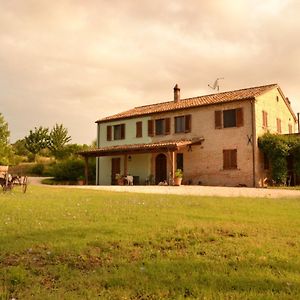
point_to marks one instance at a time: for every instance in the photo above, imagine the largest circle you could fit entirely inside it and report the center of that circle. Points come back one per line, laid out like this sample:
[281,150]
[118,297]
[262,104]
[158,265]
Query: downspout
[253,119]
[298,115]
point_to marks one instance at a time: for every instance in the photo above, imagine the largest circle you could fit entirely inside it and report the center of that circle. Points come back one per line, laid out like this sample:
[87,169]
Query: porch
[122,157]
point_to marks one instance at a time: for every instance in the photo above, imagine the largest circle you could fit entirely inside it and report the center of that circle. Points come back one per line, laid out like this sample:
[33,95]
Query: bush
[71,169]
[37,169]
[278,148]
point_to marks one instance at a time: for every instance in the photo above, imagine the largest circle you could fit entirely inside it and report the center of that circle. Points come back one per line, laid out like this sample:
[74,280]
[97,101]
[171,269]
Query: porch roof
[162,146]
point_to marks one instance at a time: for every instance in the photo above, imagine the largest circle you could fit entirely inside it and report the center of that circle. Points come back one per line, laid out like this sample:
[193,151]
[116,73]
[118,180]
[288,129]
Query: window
[278,125]
[160,127]
[179,124]
[139,129]
[182,124]
[179,161]
[229,159]
[119,132]
[229,118]
[290,128]
[264,119]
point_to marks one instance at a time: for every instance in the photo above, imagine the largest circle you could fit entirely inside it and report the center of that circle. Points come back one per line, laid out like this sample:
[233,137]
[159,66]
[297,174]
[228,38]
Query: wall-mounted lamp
[129,158]
[190,148]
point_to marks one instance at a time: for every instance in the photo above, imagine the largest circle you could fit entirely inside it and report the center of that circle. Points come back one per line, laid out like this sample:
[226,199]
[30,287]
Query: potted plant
[80,180]
[120,179]
[178,177]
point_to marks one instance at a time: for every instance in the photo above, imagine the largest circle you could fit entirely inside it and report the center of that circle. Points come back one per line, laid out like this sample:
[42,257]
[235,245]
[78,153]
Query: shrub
[37,169]
[278,148]
[71,169]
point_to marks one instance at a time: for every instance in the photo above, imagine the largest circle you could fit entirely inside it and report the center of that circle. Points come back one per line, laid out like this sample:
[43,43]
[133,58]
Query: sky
[76,61]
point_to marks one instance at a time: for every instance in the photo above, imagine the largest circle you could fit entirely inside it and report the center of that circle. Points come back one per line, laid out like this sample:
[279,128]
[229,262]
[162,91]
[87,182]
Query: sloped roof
[230,96]
[141,148]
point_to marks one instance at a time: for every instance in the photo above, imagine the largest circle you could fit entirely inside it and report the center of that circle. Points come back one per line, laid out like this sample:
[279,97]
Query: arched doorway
[160,168]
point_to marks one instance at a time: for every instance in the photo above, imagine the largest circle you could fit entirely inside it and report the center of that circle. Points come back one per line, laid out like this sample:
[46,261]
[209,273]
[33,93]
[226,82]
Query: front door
[115,169]
[160,168]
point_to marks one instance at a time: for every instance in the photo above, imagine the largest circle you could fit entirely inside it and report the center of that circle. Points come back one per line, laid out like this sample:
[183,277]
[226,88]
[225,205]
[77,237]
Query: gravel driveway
[187,190]
[200,191]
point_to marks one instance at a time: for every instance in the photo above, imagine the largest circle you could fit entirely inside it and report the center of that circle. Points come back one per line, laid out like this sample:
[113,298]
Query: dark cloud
[73,62]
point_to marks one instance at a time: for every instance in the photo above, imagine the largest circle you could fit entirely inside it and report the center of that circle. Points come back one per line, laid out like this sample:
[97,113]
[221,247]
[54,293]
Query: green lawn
[74,244]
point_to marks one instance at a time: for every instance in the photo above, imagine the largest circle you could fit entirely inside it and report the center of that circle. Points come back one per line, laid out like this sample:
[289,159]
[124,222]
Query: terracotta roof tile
[145,148]
[230,96]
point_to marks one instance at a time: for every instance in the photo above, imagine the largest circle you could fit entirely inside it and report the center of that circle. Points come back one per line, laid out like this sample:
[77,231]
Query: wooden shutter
[139,129]
[167,126]
[218,119]
[229,159]
[239,117]
[188,123]
[226,159]
[233,158]
[150,128]
[278,125]
[265,119]
[290,128]
[108,133]
[122,131]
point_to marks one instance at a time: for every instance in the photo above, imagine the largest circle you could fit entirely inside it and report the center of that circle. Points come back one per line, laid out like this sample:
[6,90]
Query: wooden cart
[8,181]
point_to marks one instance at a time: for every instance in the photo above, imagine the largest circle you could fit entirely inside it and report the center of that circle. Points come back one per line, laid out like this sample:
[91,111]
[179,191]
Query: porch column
[125,165]
[86,169]
[173,166]
[171,162]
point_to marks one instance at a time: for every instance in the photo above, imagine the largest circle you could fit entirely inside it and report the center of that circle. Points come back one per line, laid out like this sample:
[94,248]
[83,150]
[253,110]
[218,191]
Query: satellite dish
[216,86]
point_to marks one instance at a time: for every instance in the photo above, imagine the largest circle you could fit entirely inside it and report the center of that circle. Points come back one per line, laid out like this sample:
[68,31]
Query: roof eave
[101,121]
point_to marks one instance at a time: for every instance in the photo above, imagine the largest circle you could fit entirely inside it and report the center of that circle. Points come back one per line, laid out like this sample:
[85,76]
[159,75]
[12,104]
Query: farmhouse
[212,138]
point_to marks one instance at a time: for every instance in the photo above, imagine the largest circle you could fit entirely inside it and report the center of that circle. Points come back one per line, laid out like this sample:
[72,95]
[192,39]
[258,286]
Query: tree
[19,148]
[37,140]
[58,138]
[5,149]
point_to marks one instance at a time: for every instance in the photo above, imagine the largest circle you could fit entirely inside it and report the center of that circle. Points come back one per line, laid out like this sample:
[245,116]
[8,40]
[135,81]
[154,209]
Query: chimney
[176,93]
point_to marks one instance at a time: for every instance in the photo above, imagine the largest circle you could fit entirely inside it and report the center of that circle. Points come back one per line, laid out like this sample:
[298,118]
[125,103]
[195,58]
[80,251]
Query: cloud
[73,62]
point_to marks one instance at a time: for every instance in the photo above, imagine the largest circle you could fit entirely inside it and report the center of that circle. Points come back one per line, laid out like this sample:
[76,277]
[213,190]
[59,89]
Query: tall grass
[69,244]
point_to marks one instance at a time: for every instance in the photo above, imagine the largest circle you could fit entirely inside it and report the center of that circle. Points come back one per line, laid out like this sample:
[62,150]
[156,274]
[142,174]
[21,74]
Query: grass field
[77,244]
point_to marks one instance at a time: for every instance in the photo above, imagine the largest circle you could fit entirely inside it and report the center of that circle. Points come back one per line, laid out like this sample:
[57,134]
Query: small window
[278,125]
[230,159]
[179,161]
[229,118]
[119,132]
[183,124]
[179,124]
[139,129]
[160,127]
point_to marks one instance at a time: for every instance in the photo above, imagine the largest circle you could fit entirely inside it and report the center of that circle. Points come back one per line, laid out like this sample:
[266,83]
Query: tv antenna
[216,86]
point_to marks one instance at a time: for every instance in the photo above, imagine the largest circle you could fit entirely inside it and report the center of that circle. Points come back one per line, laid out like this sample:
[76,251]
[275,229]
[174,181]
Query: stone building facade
[212,138]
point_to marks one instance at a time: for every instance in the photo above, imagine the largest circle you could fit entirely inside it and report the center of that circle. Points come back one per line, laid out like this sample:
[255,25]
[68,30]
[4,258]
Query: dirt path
[36,180]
